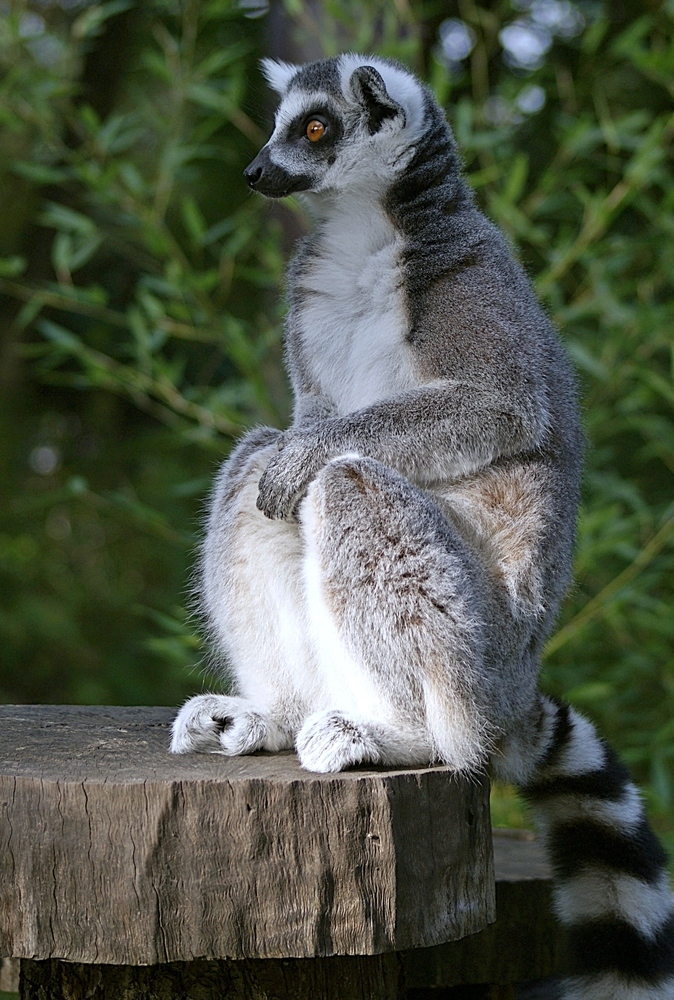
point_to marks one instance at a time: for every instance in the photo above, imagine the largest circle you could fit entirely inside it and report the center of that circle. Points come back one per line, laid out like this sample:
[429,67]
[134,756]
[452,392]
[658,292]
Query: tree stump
[115,853]
[372,977]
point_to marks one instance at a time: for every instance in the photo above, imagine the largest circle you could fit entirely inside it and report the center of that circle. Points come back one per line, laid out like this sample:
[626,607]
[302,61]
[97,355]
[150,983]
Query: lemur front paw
[330,741]
[285,480]
[216,723]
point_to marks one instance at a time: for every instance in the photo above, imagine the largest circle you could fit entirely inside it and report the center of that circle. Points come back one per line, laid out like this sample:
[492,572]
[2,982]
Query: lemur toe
[329,741]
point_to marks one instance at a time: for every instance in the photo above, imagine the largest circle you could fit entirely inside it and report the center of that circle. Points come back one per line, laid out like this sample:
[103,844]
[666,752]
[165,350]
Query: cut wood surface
[114,851]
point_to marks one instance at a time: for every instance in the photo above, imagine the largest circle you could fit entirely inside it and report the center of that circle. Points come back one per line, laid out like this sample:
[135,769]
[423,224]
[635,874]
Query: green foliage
[142,283]
[151,286]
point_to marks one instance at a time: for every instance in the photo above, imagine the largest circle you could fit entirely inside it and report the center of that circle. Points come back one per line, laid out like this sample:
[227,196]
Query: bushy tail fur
[611,885]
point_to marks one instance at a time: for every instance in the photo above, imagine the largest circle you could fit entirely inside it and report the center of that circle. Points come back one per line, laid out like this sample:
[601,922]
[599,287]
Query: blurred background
[141,301]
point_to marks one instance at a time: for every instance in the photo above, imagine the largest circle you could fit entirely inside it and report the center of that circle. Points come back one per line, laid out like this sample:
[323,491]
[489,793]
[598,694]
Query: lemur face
[342,123]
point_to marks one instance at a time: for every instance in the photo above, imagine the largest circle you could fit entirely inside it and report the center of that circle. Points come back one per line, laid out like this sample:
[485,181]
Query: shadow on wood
[375,977]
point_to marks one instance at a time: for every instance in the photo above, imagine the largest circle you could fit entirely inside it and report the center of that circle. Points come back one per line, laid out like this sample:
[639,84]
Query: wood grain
[371,977]
[113,851]
[525,943]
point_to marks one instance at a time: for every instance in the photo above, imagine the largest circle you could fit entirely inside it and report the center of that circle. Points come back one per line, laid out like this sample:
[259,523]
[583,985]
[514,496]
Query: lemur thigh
[254,596]
[397,597]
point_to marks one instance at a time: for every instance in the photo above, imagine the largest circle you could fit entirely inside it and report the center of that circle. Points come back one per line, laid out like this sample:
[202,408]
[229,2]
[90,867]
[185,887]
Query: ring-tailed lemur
[382,576]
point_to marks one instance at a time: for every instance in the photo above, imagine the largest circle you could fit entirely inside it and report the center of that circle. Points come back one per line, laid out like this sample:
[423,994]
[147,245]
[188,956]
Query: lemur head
[345,122]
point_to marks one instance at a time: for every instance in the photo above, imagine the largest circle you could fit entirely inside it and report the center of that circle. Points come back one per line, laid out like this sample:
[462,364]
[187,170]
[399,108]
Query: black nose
[254,172]
[271,180]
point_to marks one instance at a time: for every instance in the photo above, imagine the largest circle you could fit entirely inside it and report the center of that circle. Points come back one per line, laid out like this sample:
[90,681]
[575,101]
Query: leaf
[59,335]
[517,177]
[216,61]
[90,22]
[217,231]
[195,224]
[592,692]
[72,251]
[40,173]
[586,361]
[12,267]
[628,41]
[67,219]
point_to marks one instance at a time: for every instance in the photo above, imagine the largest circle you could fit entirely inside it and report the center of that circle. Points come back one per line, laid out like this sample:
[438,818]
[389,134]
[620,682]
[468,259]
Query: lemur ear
[369,89]
[278,74]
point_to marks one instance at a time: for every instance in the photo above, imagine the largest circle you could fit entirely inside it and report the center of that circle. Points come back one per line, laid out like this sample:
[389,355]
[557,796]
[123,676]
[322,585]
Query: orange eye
[315,130]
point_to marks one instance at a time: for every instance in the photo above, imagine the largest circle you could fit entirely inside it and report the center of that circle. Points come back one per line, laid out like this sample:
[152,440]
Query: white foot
[330,741]
[217,723]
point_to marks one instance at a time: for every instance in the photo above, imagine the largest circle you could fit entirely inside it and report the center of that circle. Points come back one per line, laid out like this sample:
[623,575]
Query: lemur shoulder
[380,578]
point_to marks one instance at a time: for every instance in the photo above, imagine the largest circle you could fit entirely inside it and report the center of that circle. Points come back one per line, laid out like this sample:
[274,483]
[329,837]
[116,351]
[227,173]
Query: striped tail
[611,887]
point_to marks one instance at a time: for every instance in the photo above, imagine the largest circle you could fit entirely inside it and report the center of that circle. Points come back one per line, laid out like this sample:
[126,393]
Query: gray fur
[444,539]
[380,579]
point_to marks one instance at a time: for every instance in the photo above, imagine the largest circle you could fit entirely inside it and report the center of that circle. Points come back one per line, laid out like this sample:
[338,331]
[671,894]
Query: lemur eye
[315,130]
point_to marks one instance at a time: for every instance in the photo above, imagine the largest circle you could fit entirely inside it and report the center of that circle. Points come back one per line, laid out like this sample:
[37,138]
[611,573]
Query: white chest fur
[353,319]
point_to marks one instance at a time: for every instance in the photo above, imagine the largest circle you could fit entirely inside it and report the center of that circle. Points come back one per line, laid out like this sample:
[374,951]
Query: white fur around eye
[297,103]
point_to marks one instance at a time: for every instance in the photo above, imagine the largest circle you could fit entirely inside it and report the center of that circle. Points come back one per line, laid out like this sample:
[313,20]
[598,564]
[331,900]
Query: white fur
[400,85]
[613,987]
[625,814]
[457,739]
[302,673]
[584,752]
[297,103]
[354,330]
[196,727]
[332,741]
[254,583]
[278,73]
[367,162]
[264,580]
[346,686]
[601,893]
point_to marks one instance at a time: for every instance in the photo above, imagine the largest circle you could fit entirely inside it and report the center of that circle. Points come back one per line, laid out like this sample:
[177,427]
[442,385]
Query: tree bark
[348,978]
